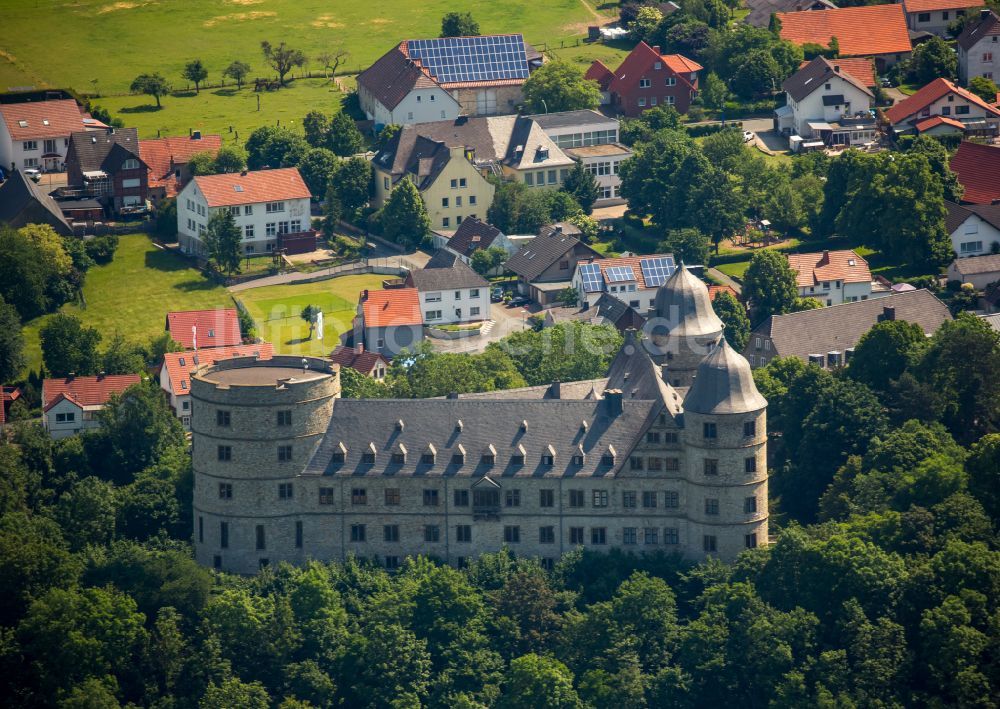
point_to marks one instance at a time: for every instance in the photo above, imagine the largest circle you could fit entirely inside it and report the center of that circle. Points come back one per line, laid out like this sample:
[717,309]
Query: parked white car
[748,136]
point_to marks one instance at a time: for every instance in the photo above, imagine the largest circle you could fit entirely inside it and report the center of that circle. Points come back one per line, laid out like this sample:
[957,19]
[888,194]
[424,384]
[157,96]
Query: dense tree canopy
[559,86]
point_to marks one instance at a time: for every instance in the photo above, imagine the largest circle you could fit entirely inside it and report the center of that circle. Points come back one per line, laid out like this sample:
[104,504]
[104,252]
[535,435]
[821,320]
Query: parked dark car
[496,295]
[519,300]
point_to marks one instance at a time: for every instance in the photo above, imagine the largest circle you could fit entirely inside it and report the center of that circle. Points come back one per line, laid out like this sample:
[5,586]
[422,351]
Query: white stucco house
[591,138]
[449,291]
[834,277]
[35,134]
[271,208]
[943,99]
[934,16]
[979,48]
[826,104]
[980,271]
[70,405]
[974,228]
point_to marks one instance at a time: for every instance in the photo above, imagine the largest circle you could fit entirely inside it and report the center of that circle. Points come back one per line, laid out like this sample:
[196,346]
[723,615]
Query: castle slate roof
[837,327]
[684,300]
[477,427]
[724,385]
[445,271]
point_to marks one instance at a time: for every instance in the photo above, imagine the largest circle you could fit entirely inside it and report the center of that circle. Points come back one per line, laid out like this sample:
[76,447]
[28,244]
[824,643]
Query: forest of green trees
[881,589]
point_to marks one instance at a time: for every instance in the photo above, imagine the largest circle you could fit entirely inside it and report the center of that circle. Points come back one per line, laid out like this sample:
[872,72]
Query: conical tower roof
[684,303]
[724,385]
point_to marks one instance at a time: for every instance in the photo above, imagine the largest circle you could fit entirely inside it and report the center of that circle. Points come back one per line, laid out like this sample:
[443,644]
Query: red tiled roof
[641,59]
[363,361]
[85,391]
[931,5]
[163,155]
[216,328]
[714,291]
[829,266]
[390,308]
[978,170]
[64,117]
[600,73]
[932,121]
[179,365]
[860,31]
[912,105]
[861,68]
[10,394]
[257,186]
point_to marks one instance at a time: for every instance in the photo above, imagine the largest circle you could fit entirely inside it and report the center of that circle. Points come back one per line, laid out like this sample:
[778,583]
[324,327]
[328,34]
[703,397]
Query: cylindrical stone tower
[682,327]
[255,424]
[725,432]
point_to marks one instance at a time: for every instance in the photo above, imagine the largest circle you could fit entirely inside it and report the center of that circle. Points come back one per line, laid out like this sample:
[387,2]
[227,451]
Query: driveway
[504,322]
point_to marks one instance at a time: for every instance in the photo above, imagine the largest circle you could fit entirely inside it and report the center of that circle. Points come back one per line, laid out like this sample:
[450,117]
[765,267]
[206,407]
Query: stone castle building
[667,456]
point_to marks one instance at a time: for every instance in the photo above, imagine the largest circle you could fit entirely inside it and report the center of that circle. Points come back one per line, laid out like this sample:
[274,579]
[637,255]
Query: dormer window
[399,455]
[549,456]
[458,457]
[489,455]
[368,458]
[518,457]
[340,453]
[429,455]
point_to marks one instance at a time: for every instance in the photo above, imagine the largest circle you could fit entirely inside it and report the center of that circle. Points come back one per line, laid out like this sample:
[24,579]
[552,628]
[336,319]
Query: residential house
[825,102]
[974,228]
[370,364]
[70,405]
[646,79]
[934,16]
[827,336]
[167,159]
[8,395]
[761,10]
[36,133]
[607,310]
[202,329]
[427,80]
[106,165]
[979,48]
[177,367]
[591,138]
[388,321]
[23,202]
[632,279]
[271,208]
[977,167]
[877,31]
[942,98]
[450,161]
[834,277]
[980,271]
[475,235]
[450,291]
[545,266]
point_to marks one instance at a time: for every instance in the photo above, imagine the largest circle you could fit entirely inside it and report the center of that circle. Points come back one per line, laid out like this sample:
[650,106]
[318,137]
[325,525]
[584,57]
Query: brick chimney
[359,348]
[888,312]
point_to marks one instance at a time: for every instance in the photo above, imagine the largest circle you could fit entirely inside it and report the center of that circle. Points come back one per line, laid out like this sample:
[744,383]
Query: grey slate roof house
[827,336]
[106,165]
[545,265]
[23,202]
[473,235]
[450,291]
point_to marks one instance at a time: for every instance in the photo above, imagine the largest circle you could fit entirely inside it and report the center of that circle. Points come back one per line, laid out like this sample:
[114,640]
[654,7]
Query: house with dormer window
[941,99]
[35,134]
[647,79]
[106,165]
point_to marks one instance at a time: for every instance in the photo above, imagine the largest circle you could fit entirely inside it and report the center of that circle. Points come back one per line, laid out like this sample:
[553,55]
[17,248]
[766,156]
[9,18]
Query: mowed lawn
[133,293]
[278,311]
[113,41]
[229,112]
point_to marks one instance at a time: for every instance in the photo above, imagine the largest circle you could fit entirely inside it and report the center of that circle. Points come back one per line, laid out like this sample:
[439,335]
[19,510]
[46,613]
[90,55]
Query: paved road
[505,321]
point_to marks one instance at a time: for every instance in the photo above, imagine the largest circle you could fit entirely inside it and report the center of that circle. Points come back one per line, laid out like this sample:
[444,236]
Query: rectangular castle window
[284,418]
[463,533]
[284,454]
[432,533]
[511,534]
[358,533]
[298,535]
[628,499]
[629,535]
[576,535]
[225,453]
[430,498]
[261,539]
[461,498]
[598,535]
[546,498]
[390,533]
[326,496]
[222,418]
[711,506]
[546,535]
[225,491]
[285,491]
[392,496]
[223,535]
[359,496]
[649,498]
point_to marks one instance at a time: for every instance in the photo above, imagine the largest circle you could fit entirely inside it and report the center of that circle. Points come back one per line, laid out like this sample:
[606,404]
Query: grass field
[277,311]
[133,293]
[215,111]
[114,41]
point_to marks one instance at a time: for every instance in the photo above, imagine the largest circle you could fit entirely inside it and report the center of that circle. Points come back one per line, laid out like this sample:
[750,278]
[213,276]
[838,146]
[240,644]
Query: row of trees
[890,599]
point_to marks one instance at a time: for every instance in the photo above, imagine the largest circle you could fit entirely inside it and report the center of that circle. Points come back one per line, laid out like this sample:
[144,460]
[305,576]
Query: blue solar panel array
[617,274]
[593,282]
[455,59]
[655,271]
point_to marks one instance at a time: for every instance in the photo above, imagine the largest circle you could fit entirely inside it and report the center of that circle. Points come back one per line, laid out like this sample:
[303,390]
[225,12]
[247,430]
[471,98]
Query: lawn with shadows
[133,293]
[277,311]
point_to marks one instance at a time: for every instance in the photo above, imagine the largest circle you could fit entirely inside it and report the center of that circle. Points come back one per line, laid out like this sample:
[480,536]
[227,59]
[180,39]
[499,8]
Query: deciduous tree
[230,158]
[734,316]
[319,167]
[582,186]
[12,359]
[151,85]
[344,138]
[459,24]
[282,58]
[237,71]
[559,86]
[404,217]
[224,242]
[68,347]
[486,261]
[195,72]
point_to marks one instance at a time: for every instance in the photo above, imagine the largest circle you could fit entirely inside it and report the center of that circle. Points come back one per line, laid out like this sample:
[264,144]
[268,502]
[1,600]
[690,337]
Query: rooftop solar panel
[655,271]
[617,274]
[592,280]
[460,59]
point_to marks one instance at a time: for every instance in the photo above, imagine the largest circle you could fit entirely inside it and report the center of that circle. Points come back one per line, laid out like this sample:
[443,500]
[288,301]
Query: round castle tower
[725,436]
[682,326]
[255,425]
